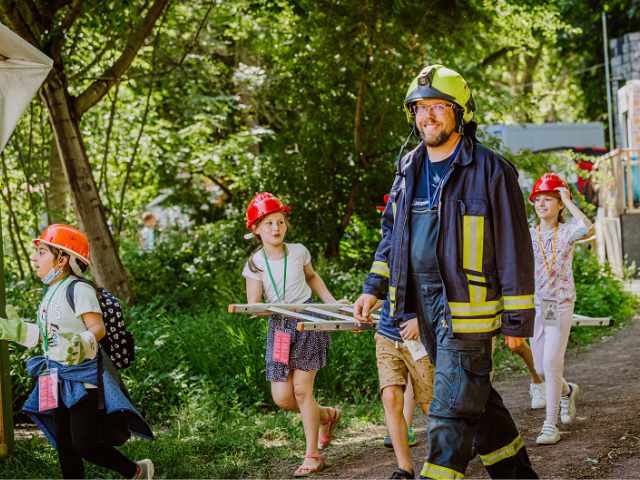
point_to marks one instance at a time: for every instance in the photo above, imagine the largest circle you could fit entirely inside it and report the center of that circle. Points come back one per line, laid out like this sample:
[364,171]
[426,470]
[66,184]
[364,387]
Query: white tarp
[23,68]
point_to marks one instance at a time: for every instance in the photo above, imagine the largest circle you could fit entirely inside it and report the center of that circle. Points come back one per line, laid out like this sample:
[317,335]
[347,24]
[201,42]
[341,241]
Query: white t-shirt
[55,311]
[297,290]
[148,237]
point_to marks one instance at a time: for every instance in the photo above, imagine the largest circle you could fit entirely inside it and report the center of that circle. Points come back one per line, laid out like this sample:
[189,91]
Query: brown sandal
[324,439]
[304,470]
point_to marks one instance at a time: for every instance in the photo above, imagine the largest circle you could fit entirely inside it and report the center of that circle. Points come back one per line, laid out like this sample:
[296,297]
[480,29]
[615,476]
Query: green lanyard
[43,322]
[273,282]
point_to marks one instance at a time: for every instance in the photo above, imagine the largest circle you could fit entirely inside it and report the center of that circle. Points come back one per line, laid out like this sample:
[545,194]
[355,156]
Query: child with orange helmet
[553,243]
[74,394]
[282,272]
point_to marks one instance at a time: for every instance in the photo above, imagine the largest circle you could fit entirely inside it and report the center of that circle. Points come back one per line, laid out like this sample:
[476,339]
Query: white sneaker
[537,392]
[549,434]
[145,469]
[568,404]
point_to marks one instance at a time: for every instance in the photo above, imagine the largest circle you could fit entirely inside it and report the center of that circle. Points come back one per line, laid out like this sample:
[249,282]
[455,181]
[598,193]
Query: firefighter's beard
[436,139]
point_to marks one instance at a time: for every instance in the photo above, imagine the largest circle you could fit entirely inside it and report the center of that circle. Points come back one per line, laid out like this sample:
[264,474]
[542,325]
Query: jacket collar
[465,156]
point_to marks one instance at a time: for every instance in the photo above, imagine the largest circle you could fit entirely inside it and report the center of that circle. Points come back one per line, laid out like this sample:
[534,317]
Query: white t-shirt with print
[56,313]
[558,283]
[297,290]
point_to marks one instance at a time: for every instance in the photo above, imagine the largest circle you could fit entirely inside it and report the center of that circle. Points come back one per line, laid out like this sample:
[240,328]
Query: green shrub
[190,269]
[599,294]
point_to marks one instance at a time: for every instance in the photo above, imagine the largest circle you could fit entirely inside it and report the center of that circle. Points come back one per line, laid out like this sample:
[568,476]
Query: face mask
[51,276]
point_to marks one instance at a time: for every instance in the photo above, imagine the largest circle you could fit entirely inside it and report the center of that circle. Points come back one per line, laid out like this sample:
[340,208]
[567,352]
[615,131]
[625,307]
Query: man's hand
[513,343]
[410,330]
[363,307]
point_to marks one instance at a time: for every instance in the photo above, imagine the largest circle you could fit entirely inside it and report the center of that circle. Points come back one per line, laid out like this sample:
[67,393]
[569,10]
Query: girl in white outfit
[553,242]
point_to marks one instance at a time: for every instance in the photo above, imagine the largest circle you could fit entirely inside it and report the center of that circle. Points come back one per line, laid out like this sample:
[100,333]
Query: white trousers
[549,344]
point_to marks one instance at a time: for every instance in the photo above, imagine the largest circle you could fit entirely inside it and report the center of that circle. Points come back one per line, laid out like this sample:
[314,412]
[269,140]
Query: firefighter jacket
[484,247]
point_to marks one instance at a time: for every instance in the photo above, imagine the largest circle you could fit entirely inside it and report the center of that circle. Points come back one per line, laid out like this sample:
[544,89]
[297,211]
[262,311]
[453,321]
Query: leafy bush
[599,292]
[189,269]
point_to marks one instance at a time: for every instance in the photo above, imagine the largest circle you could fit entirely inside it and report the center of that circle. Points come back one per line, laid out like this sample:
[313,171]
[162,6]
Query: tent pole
[6,401]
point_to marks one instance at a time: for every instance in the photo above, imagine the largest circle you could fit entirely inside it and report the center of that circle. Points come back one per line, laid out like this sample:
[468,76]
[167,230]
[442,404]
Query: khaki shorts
[395,362]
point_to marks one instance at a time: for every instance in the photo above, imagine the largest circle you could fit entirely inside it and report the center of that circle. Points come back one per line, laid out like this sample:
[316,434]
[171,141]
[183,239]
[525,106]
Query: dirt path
[603,443]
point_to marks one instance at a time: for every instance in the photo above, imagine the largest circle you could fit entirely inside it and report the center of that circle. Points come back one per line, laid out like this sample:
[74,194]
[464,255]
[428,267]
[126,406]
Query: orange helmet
[549,182]
[68,239]
[261,205]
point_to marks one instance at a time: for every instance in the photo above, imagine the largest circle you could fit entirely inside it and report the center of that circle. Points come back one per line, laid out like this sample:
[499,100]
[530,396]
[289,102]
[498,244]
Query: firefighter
[456,249]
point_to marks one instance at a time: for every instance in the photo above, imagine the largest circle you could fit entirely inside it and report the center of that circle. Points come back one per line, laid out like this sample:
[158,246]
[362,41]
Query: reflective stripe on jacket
[484,248]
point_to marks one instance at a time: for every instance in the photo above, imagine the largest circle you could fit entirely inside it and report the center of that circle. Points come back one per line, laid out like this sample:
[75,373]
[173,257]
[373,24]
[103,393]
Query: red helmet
[381,208]
[261,205]
[66,238]
[549,182]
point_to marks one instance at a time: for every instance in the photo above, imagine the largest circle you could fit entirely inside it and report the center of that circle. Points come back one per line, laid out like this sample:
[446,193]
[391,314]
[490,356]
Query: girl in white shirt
[280,272]
[66,402]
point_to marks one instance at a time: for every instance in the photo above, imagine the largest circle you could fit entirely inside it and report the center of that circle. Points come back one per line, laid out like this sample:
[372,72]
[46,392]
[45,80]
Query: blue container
[635,179]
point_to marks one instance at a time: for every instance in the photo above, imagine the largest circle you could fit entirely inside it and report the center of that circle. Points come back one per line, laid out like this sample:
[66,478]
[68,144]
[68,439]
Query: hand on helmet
[565,194]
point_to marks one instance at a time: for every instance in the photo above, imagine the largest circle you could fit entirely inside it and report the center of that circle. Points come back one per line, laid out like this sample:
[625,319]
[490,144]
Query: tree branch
[18,24]
[32,17]
[495,56]
[72,15]
[98,89]
[79,74]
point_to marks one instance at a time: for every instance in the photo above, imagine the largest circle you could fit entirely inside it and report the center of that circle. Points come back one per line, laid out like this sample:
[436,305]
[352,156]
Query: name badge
[549,312]
[281,347]
[416,349]
[48,390]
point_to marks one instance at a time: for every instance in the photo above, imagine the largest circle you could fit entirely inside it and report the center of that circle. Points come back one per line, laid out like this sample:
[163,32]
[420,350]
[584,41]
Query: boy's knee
[393,398]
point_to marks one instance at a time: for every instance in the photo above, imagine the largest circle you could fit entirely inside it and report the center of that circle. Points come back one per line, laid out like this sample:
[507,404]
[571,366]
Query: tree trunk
[107,268]
[58,193]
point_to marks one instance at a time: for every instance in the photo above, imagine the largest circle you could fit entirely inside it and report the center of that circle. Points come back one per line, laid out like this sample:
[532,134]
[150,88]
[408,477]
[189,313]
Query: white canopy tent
[23,68]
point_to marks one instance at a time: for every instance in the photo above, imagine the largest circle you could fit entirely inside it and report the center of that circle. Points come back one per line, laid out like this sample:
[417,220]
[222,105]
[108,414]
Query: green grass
[200,443]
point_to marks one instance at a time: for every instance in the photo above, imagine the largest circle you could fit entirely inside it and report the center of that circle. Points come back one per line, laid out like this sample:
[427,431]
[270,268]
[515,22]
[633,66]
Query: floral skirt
[308,351]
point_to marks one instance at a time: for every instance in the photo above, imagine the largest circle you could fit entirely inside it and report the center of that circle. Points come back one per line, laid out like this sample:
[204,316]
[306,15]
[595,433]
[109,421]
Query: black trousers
[466,412]
[82,435]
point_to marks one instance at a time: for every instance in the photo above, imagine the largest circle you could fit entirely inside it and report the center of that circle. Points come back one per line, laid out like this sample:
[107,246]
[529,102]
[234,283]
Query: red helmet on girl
[261,205]
[547,183]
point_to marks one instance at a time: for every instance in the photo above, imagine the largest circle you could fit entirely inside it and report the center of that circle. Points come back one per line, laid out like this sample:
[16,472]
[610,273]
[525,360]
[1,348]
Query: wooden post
[6,401]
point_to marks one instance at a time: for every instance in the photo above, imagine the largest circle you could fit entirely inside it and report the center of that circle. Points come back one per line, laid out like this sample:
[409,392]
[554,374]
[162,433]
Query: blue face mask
[51,276]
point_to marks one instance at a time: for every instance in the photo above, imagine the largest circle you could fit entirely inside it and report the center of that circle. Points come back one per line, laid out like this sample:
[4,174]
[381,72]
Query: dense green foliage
[301,98]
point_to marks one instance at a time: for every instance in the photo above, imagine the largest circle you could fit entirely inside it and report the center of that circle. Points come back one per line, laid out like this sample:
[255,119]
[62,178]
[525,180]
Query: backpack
[118,341]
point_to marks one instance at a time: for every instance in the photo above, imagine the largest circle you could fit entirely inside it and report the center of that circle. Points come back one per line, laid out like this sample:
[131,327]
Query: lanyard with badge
[48,378]
[281,339]
[431,198]
[549,306]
